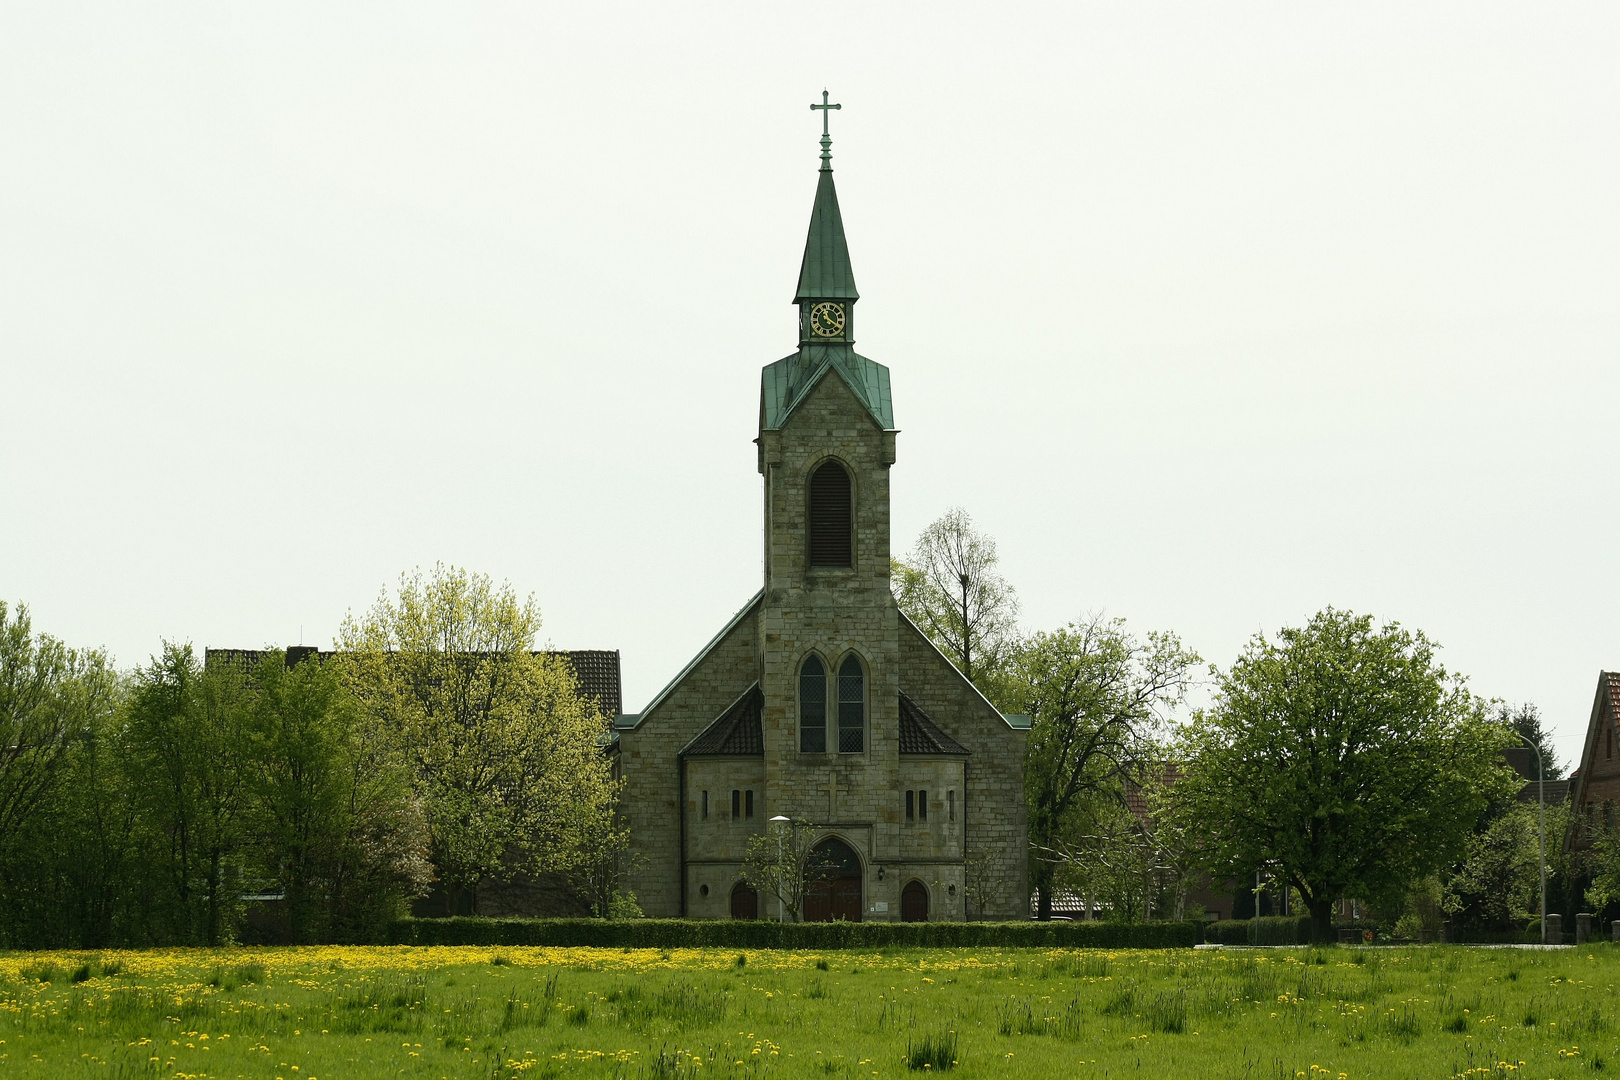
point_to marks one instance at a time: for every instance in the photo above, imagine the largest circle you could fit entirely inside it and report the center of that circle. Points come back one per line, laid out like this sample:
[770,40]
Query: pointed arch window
[831,517]
[851,707]
[812,707]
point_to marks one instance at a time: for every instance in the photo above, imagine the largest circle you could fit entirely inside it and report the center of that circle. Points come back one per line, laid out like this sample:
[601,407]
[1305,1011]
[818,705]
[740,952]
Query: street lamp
[1541,785]
[781,905]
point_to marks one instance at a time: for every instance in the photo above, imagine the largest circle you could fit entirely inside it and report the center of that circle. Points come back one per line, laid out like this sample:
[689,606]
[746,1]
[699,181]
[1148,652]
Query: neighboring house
[1595,784]
[819,700]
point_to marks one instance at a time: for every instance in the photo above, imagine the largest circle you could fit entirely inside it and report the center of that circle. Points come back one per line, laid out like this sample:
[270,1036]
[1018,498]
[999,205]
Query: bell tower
[828,626]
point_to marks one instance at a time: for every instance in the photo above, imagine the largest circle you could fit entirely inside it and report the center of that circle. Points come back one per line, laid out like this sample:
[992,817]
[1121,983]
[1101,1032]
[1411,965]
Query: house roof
[920,735]
[824,273]
[597,670]
[788,381]
[737,732]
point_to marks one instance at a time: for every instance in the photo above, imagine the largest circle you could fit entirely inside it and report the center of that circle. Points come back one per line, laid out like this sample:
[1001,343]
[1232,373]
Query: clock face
[827,320]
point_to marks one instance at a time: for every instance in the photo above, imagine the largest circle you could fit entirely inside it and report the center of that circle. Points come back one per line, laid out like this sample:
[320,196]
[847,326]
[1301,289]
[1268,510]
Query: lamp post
[781,905]
[1541,786]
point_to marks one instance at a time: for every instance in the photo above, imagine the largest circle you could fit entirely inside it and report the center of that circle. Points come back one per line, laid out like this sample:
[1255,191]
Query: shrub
[760,934]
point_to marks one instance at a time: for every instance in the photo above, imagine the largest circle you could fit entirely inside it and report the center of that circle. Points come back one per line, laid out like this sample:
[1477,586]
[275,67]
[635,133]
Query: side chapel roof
[738,731]
[920,735]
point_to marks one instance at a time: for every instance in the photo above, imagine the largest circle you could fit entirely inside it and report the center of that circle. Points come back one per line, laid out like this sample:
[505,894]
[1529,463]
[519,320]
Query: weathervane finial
[826,137]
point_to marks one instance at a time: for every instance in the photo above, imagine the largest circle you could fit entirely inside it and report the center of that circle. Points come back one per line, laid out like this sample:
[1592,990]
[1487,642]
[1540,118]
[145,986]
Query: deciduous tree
[335,823]
[1346,758]
[784,863]
[50,696]
[188,736]
[951,588]
[1096,696]
[505,751]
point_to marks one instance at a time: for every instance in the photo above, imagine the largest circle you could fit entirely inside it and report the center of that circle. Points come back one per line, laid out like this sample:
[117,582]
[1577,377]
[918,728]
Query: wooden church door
[914,902]
[837,896]
[744,902]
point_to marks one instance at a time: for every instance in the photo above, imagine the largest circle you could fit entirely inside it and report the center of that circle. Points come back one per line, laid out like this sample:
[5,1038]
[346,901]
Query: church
[819,700]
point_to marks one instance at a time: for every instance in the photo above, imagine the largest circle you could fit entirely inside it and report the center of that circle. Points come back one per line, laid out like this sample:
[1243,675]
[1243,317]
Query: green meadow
[328,1013]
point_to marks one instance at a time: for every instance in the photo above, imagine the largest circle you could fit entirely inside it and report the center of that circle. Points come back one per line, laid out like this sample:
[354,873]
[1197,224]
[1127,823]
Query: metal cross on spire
[826,137]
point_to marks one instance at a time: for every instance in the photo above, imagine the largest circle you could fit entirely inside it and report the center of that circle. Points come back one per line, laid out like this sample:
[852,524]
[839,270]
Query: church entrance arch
[836,897]
[914,902]
[744,902]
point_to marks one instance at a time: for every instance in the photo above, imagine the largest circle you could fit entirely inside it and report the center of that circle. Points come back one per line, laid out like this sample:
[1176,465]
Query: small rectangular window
[950,804]
[749,810]
[736,804]
[911,805]
[705,806]
[922,806]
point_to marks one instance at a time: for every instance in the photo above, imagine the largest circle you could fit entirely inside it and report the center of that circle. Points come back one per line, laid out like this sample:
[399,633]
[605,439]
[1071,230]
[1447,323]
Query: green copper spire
[825,273]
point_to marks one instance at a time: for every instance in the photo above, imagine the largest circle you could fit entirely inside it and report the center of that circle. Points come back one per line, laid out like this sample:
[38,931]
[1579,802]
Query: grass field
[335,1013]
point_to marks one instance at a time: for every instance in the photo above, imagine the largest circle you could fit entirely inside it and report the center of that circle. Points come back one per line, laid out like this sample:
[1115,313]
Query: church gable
[786,383]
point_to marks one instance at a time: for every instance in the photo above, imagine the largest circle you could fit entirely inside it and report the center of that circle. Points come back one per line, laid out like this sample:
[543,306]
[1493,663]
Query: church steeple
[826,294]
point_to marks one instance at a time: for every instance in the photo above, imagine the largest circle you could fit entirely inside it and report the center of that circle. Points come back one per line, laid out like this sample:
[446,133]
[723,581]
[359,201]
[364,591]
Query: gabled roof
[739,731]
[788,381]
[920,735]
[825,273]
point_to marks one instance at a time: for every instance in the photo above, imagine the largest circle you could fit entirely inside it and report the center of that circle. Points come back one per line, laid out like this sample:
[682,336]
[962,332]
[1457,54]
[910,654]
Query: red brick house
[1595,785]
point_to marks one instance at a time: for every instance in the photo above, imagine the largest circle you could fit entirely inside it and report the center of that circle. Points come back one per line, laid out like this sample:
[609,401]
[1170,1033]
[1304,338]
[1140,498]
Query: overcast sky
[1211,314]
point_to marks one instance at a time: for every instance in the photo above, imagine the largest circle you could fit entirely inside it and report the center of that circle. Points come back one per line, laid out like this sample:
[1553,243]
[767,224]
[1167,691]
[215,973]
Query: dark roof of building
[596,669]
[739,731]
[598,673]
[920,735]
[1557,792]
[825,273]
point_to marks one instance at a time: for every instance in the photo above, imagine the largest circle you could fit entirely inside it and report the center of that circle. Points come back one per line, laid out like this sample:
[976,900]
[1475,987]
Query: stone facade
[823,403]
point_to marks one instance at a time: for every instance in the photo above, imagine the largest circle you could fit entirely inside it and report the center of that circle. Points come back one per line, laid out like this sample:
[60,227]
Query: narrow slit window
[950,805]
[831,517]
[736,804]
[812,707]
[851,707]
[922,806]
[748,804]
[911,805]
[705,806]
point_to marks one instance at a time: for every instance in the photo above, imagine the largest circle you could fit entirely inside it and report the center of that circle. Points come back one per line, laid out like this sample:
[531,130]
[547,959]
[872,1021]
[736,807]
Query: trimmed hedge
[762,934]
[1269,930]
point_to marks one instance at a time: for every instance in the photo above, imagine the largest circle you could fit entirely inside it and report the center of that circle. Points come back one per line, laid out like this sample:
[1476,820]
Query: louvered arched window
[831,512]
[812,707]
[851,707]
